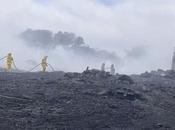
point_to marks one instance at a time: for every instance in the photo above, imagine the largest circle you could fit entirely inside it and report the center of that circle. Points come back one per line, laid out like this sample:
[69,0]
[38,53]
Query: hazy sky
[141,32]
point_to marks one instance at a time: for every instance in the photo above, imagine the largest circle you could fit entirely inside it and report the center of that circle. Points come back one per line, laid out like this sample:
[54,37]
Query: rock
[125,79]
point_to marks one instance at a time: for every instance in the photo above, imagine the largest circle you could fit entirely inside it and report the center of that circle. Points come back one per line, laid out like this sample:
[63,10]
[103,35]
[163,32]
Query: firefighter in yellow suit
[9,61]
[44,64]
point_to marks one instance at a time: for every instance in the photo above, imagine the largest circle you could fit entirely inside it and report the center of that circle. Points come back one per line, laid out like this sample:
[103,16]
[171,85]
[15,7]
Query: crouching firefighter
[44,64]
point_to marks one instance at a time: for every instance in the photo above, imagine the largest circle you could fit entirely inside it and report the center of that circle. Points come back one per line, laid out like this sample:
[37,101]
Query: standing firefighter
[103,67]
[44,64]
[112,70]
[173,61]
[9,61]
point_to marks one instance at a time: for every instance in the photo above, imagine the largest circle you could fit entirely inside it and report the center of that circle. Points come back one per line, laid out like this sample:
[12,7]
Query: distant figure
[112,70]
[9,61]
[44,64]
[173,61]
[87,69]
[103,67]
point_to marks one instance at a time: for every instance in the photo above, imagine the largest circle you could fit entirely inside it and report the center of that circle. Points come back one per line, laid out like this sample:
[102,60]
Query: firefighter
[44,64]
[173,61]
[87,68]
[112,70]
[9,61]
[103,67]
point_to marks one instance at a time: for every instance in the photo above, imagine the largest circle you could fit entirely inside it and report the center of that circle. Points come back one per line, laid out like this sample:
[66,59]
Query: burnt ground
[91,100]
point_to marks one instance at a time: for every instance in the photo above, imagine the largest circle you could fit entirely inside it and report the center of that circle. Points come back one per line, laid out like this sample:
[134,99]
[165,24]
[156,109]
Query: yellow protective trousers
[9,63]
[44,64]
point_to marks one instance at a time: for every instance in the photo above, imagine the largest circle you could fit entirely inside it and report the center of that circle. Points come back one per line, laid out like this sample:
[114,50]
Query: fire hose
[39,65]
[34,67]
[3,58]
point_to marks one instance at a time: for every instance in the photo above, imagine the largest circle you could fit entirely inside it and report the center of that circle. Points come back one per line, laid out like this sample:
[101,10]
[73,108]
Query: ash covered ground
[92,100]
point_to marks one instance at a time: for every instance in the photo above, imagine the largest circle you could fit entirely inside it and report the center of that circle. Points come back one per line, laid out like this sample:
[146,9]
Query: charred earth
[92,100]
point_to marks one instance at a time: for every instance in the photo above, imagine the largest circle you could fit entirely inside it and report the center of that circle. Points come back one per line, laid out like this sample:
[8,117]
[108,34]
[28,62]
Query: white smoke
[115,28]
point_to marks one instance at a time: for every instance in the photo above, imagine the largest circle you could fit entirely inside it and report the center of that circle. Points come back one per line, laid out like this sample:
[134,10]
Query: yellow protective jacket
[9,60]
[44,62]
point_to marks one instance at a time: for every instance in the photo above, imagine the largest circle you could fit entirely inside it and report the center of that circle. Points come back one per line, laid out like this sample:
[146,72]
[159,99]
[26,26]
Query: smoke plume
[47,40]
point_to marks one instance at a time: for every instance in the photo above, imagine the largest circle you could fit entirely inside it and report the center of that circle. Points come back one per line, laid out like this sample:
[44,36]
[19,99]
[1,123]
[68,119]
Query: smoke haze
[135,35]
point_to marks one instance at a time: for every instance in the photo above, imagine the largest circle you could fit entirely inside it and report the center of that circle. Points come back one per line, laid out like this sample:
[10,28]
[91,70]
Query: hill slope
[91,100]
